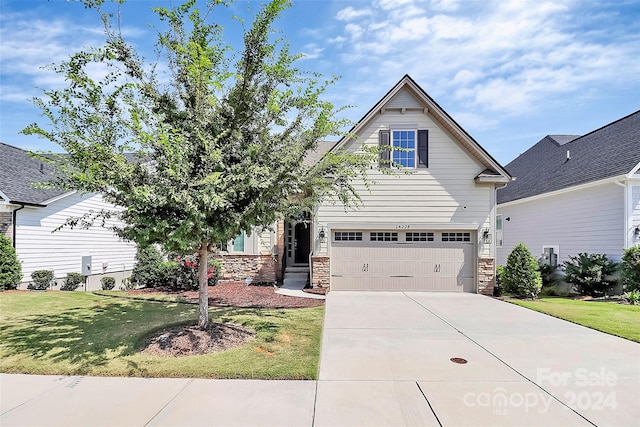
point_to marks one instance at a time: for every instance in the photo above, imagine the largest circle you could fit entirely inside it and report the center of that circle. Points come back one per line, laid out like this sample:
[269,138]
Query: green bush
[590,274]
[631,268]
[498,288]
[632,297]
[149,270]
[41,279]
[108,283]
[521,276]
[548,273]
[72,281]
[182,274]
[10,268]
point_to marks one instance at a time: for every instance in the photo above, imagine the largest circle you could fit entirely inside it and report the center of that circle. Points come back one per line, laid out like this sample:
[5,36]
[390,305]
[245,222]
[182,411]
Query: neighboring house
[430,229]
[29,215]
[574,194]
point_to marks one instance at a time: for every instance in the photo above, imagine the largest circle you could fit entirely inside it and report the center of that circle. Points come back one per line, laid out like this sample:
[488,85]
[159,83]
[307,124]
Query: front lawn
[612,318]
[77,333]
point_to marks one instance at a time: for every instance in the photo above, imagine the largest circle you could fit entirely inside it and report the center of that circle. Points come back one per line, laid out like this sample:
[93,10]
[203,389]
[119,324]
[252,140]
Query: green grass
[77,333]
[612,318]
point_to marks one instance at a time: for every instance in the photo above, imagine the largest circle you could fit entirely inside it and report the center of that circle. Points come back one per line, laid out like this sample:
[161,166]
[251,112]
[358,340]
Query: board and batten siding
[439,196]
[588,220]
[62,251]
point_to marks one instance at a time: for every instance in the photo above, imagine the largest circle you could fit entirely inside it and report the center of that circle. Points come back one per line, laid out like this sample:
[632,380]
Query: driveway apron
[389,358]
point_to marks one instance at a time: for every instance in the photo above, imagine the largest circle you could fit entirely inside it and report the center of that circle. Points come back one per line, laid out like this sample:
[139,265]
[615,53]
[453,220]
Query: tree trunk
[203,308]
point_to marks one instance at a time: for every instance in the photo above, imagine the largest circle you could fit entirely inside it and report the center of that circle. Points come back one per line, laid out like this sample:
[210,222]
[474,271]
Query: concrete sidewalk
[37,400]
[386,361]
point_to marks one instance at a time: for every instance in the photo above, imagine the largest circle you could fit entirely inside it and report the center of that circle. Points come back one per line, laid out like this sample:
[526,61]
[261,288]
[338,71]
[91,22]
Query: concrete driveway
[386,360]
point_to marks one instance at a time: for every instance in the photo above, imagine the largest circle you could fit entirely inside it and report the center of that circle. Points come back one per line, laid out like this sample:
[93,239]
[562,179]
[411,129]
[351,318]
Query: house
[29,215]
[574,194]
[427,229]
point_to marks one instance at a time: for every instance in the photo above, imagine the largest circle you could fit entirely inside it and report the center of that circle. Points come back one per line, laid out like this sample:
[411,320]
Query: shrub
[182,275]
[548,273]
[148,271]
[499,286]
[41,279]
[632,297]
[521,276]
[108,283]
[72,281]
[10,268]
[631,268]
[590,273]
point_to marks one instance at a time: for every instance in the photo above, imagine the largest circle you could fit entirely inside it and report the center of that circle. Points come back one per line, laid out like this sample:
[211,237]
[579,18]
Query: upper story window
[406,148]
[405,141]
[499,230]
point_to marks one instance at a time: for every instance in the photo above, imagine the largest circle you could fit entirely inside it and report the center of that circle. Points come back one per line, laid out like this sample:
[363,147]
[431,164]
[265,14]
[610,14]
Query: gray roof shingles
[18,171]
[610,151]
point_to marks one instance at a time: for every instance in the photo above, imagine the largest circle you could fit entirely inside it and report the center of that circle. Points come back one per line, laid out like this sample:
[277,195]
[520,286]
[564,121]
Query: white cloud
[350,14]
[354,31]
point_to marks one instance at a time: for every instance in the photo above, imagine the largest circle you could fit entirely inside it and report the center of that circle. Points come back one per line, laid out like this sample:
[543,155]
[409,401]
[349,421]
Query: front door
[302,240]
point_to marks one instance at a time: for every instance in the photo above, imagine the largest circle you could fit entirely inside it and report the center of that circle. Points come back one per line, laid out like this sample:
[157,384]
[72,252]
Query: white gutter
[627,220]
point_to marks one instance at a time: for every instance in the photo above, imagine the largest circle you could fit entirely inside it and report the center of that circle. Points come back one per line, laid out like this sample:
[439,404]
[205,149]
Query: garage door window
[383,237]
[456,237]
[345,236]
[419,237]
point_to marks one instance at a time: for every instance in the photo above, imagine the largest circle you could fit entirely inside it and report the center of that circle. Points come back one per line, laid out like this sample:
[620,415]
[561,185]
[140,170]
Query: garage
[395,260]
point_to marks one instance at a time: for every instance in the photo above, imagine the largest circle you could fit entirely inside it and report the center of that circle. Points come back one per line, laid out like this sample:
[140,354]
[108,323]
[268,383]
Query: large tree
[219,139]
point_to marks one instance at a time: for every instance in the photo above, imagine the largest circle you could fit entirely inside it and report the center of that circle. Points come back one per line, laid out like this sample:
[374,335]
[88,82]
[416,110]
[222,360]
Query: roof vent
[568,155]
[41,168]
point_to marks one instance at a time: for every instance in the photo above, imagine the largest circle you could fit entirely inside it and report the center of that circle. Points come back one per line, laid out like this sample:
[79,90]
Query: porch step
[295,280]
[297,269]
[295,277]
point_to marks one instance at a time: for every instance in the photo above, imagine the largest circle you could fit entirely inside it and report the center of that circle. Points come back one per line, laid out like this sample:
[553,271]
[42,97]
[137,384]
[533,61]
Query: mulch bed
[189,340]
[238,294]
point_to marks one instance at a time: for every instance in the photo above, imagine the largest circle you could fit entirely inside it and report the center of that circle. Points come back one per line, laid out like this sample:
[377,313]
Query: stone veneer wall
[320,271]
[261,268]
[486,275]
[6,228]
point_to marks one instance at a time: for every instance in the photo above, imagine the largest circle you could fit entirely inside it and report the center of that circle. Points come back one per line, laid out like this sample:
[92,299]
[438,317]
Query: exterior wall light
[486,237]
[322,234]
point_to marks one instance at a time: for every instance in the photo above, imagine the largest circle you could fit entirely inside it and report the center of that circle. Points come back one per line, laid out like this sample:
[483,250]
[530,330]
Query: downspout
[13,224]
[623,184]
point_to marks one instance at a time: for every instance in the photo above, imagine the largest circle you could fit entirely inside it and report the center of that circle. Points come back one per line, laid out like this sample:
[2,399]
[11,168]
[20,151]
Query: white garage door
[403,260]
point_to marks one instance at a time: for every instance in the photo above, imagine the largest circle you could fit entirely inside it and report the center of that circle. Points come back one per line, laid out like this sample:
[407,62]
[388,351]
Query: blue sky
[509,72]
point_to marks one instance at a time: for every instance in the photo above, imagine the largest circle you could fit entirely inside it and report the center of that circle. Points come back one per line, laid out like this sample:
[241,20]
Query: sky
[509,72]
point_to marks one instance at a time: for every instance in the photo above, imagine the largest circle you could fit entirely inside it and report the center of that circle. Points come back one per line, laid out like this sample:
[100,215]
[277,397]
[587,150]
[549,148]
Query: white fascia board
[4,197]
[634,171]
[61,196]
[563,191]
[403,225]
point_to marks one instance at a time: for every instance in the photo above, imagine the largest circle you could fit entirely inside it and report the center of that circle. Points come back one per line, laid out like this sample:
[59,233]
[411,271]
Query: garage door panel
[420,266]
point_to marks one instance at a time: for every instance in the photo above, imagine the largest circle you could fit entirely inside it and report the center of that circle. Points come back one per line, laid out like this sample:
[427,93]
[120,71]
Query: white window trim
[556,252]
[415,146]
[500,242]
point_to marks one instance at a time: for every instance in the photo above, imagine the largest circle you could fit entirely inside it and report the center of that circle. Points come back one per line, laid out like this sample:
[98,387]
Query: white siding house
[575,194]
[29,215]
[427,229]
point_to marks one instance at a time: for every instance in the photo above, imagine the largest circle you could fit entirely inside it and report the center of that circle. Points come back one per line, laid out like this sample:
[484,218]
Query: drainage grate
[458,360]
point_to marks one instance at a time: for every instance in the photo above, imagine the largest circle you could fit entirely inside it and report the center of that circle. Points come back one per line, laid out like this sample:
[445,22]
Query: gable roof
[314,156]
[498,172]
[612,150]
[18,170]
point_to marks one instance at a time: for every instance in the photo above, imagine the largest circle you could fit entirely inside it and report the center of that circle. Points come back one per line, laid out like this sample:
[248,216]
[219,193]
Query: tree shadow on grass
[84,337]
[87,337]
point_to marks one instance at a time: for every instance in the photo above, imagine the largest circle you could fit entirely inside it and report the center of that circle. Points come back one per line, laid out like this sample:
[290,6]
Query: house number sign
[365,267]
[403,226]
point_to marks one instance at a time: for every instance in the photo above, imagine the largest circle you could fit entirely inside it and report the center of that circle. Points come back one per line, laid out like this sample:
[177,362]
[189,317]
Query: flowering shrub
[182,274]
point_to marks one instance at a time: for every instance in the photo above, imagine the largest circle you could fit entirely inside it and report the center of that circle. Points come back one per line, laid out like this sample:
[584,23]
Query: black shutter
[384,140]
[423,148]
